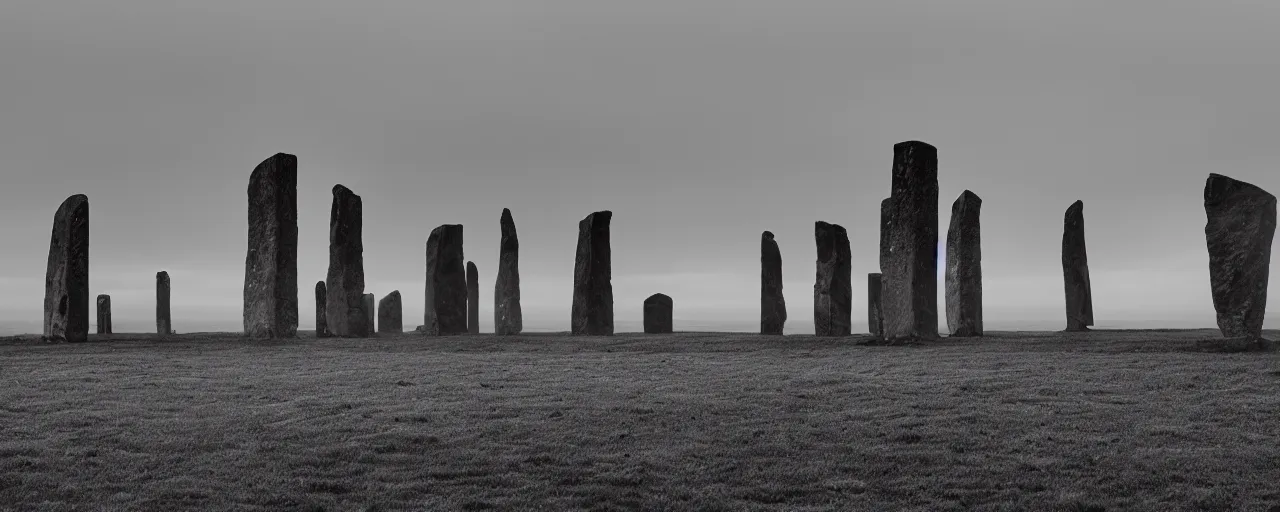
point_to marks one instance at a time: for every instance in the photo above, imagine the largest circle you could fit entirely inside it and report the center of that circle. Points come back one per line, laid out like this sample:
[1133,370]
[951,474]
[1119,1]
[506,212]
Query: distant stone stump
[473,298]
[773,306]
[390,318]
[322,327]
[909,270]
[367,305]
[1075,270]
[66,280]
[446,288]
[657,314]
[875,322]
[104,314]
[164,322]
[592,312]
[964,267]
[507,315]
[833,287]
[1239,233]
[344,283]
[271,262]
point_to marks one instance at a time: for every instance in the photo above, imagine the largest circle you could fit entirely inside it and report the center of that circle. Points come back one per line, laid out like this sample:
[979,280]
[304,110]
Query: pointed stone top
[767,235]
[1218,187]
[394,293]
[506,215]
[1076,208]
[969,196]
[340,190]
[658,297]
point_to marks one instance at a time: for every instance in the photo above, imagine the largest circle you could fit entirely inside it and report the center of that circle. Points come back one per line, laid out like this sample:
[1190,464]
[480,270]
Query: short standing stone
[164,322]
[592,312]
[909,299]
[66,279]
[773,306]
[1075,270]
[1239,233]
[473,298]
[322,327]
[657,314]
[446,289]
[367,304]
[390,317]
[344,283]
[507,315]
[271,263]
[875,322]
[104,314]
[964,267]
[833,287]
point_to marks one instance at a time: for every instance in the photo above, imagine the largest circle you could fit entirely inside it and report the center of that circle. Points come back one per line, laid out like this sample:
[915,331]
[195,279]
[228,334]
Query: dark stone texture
[508,318]
[1240,229]
[391,313]
[657,314]
[164,321]
[344,284]
[592,312]
[875,322]
[833,287]
[271,262]
[367,305]
[473,298]
[446,290]
[773,306]
[909,272]
[964,267]
[104,314]
[66,279]
[1075,270]
[322,327]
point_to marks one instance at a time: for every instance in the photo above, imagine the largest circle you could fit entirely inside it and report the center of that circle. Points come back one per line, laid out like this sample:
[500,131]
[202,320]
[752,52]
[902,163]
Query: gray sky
[698,123]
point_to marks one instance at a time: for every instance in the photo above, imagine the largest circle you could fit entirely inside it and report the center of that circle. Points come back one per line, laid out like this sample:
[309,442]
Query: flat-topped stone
[164,320]
[322,327]
[367,304]
[446,287]
[592,312]
[104,314]
[1239,233]
[909,274]
[270,307]
[833,287]
[344,284]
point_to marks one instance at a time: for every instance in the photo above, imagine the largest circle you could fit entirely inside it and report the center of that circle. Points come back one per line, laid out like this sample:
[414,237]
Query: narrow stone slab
[909,300]
[592,312]
[1240,230]
[164,322]
[271,263]
[390,313]
[367,305]
[657,314]
[833,287]
[773,306]
[322,326]
[446,289]
[964,267]
[104,314]
[875,322]
[344,283]
[66,279]
[1075,270]
[473,298]
[507,315]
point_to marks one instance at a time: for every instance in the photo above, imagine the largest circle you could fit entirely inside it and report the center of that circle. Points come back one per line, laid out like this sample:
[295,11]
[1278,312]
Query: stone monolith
[271,263]
[909,299]
[104,314]
[367,305]
[322,326]
[508,318]
[592,312]
[875,322]
[164,321]
[344,283]
[473,298]
[446,289]
[964,267]
[390,313]
[833,287]
[1240,229]
[66,279]
[773,306]
[1075,270]
[657,314]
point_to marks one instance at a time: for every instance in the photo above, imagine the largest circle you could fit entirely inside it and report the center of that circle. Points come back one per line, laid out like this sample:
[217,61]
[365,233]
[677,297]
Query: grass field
[1132,420]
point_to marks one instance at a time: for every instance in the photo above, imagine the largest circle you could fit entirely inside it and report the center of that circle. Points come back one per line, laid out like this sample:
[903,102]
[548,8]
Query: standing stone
[964,267]
[1075,270]
[875,322]
[833,287]
[657,314]
[446,291]
[886,230]
[909,299]
[104,314]
[366,304]
[390,317]
[592,312]
[271,263]
[66,279]
[344,284]
[322,327]
[507,316]
[164,322]
[473,298]
[1239,233]
[773,307]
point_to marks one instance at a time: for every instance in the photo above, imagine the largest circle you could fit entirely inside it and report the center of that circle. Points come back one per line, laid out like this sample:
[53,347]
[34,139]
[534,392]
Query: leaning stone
[322,327]
[344,283]
[271,263]
[367,304]
[473,298]
[773,306]
[964,267]
[657,314]
[875,322]
[1075,270]
[390,313]
[909,278]
[592,312]
[446,289]
[104,314]
[507,315]
[164,322]
[66,280]
[833,287]
[1239,233]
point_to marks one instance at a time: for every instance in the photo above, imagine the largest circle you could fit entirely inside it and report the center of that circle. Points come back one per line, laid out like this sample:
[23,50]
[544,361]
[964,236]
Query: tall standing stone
[909,297]
[473,298]
[344,283]
[592,312]
[876,297]
[507,315]
[66,279]
[390,313]
[104,314]
[367,305]
[833,287]
[875,322]
[1075,270]
[1239,233]
[773,306]
[964,267]
[164,322]
[657,314]
[271,263]
[446,290]
[322,326]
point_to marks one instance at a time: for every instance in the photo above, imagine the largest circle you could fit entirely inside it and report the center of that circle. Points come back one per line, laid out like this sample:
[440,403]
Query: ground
[1107,420]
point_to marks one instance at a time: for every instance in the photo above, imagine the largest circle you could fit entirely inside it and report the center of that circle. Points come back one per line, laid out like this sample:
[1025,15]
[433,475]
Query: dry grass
[1131,420]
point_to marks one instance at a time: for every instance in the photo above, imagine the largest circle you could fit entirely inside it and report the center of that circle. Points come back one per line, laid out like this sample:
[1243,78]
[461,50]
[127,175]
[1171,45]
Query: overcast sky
[699,123]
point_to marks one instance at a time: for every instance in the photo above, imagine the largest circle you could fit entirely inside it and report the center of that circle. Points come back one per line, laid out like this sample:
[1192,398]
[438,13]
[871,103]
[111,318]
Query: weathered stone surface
[1240,229]
[909,274]
[367,305]
[833,286]
[657,314]
[390,313]
[344,283]
[507,315]
[1075,270]
[964,267]
[164,321]
[271,263]
[773,306]
[322,326]
[66,280]
[446,290]
[875,322]
[592,312]
[473,298]
[104,314]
